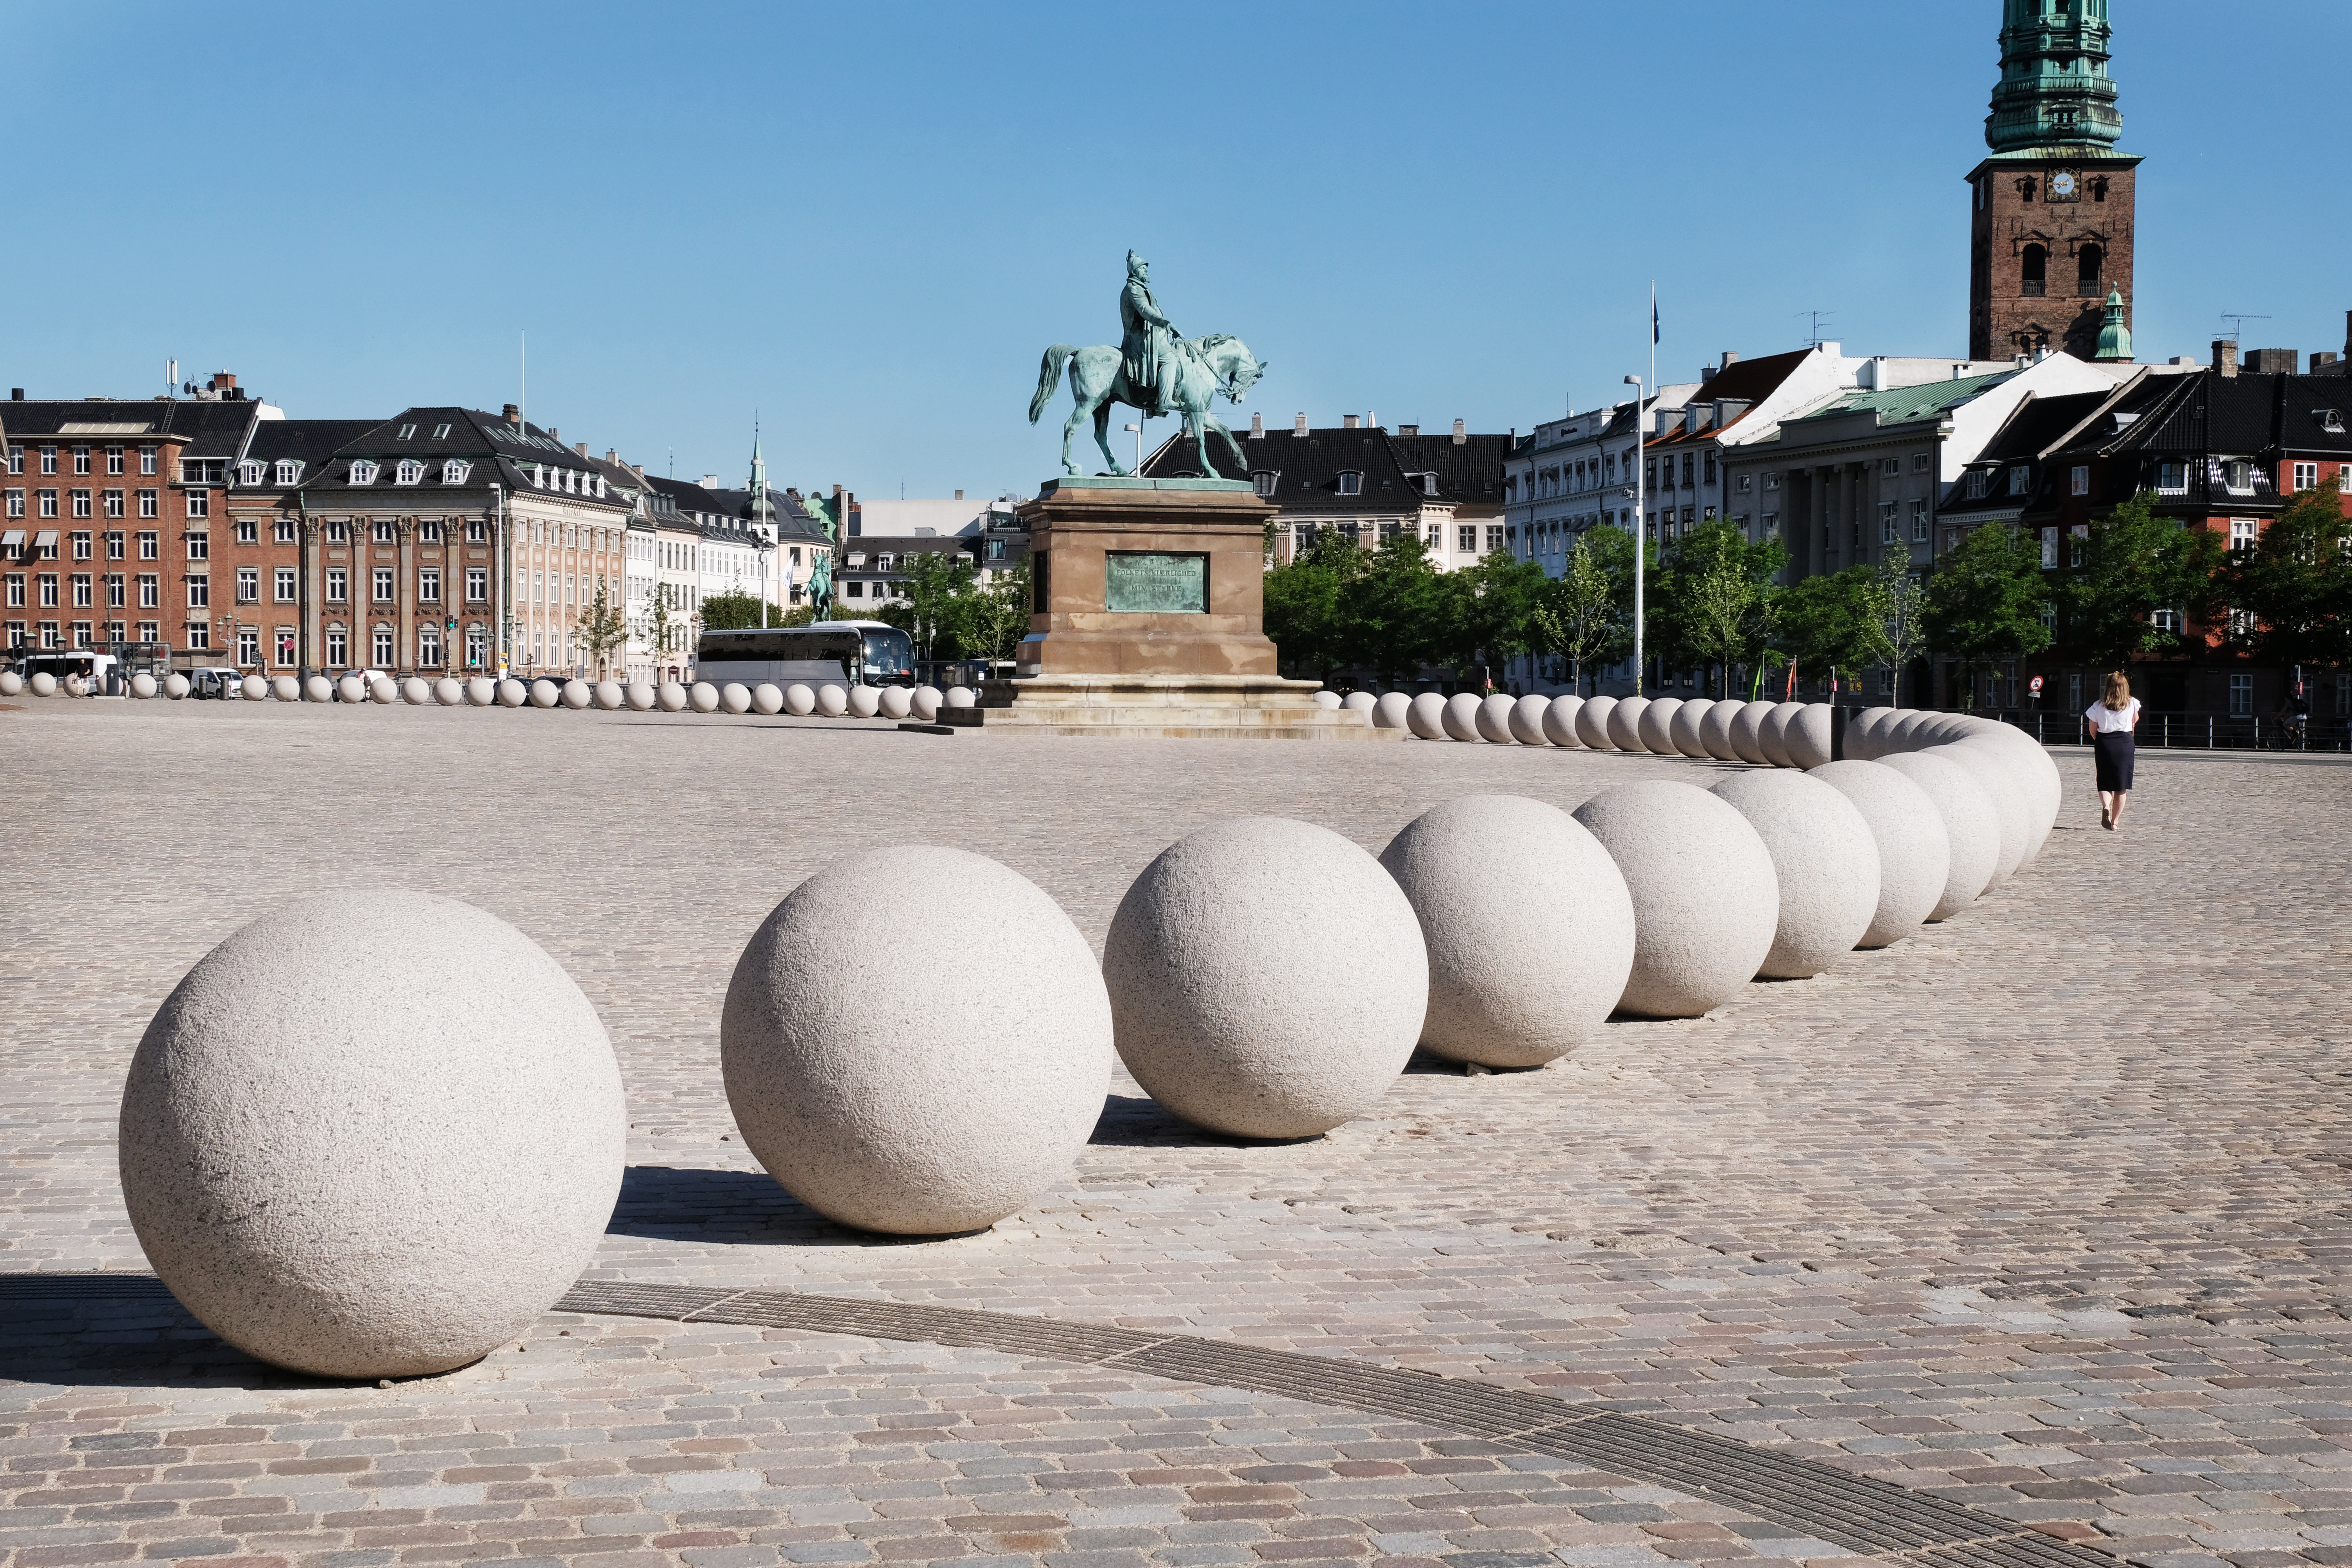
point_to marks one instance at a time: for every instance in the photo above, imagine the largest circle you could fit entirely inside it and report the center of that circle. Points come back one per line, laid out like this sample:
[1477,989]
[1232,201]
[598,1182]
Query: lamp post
[767,548]
[1641,536]
[1138,428]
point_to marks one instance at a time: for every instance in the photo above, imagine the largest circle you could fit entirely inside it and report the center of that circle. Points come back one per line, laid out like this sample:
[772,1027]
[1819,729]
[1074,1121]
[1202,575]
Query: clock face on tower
[2064,186]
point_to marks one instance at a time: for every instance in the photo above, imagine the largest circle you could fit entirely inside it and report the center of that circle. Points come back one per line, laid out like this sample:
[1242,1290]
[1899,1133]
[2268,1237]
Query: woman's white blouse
[2107,721]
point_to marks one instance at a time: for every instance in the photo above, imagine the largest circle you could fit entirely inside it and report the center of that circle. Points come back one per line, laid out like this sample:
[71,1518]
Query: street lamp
[1640,440]
[1138,428]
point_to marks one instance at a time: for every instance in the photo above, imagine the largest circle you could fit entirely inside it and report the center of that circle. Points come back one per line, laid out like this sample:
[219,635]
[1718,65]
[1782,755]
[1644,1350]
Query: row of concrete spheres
[362,1170]
[831,701]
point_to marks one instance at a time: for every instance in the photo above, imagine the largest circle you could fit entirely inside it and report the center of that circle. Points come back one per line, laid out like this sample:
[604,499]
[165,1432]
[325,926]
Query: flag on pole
[1653,318]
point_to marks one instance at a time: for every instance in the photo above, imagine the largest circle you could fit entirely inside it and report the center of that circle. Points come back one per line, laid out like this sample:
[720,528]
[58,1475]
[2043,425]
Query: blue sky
[867,221]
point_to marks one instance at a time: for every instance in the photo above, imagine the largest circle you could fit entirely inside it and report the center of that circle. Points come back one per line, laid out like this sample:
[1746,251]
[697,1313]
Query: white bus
[844,653]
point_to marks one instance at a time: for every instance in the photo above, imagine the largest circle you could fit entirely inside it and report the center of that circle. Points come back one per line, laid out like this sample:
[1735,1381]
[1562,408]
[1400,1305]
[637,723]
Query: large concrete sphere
[735,697]
[513,693]
[1901,733]
[1683,730]
[610,698]
[1625,723]
[11,683]
[1707,900]
[416,691]
[253,689]
[315,689]
[576,694]
[285,689]
[359,1168]
[640,695]
[898,703]
[1915,852]
[1493,719]
[925,703]
[1592,723]
[865,702]
[1327,698]
[545,694]
[175,686]
[832,701]
[1359,701]
[1807,735]
[74,686]
[350,689]
[670,698]
[1425,717]
[1998,777]
[1524,965]
[481,691]
[1863,732]
[1826,861]
[1714,729]
[2034,774]
[1267,979]
[1559,722]
[965,697]
[919,1098]
[702,697]
[1388,713]
[1745,731]
[1772,733]
[144,684]
[1971,825]
[1655,726]
[1460,715]
[767,698]
[799,700]
[448,692]
[1526,720]
[384,690]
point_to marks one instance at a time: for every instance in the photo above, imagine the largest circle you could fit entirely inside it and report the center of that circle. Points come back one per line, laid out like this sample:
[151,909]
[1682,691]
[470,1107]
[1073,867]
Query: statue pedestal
[1147,612]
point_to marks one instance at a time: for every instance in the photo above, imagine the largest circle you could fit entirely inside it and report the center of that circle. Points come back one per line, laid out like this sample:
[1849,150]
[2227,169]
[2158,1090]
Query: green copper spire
[2115,338]
[2054,90]
[763,511]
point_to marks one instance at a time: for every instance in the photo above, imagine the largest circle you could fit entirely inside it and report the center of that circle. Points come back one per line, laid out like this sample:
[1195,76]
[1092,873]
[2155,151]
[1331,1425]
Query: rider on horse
[1149,345]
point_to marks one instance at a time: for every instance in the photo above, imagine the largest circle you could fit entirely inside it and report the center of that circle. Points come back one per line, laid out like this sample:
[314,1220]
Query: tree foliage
[1985,603]
[2294,588]
[2134,565]
[1716,602]
[1834,623]
[601,628]
[735,611]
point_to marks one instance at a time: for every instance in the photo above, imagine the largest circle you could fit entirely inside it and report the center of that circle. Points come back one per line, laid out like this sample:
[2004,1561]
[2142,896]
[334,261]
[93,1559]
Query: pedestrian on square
[2111,719]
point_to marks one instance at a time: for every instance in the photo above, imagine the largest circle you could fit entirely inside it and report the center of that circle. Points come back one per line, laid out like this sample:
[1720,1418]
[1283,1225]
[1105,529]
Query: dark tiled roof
[1307,468]
[209,429]
[686,495]
[1471,473]
[500,453]
[308,441]
[794,526]
[2037,422]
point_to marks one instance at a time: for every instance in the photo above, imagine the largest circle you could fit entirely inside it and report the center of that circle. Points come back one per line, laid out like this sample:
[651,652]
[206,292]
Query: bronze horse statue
[1218,364]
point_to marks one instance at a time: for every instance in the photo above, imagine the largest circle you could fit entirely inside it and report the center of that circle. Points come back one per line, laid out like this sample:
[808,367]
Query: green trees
[1714,601]
[1835,624]
[601,629]
[2294,589]
[1902,608]
[1392,611]
[734,610]
[950,614]
[1586,614]
[2134,563]
[1985,603]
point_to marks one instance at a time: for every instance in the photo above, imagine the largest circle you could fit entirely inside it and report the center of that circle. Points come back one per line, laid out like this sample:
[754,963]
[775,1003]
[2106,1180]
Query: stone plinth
[1148,618]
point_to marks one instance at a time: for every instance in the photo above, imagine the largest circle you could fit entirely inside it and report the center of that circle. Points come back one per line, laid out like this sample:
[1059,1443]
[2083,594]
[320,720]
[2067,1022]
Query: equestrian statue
[1155,369]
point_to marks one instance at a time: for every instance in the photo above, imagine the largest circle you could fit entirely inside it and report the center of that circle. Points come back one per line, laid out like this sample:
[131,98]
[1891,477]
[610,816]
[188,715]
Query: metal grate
[91,1286]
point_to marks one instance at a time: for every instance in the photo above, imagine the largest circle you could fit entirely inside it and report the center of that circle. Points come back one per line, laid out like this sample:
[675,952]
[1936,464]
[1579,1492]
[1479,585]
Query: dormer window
[362,471]
[455,470]
[1979,483]
[1429,484]
[409,471]
[2330,420]
[406,431]
[290,472]
[440,431]
[1352,483]
[538,477]
[2238,475]
[250,471]
[2021,477]
[1263,481]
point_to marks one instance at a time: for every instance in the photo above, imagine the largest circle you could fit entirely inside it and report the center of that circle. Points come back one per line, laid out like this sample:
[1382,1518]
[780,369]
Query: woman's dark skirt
[2113,749]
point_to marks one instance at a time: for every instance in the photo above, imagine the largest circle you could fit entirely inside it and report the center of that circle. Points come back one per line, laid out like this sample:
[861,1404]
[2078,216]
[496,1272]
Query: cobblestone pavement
[2043,1211]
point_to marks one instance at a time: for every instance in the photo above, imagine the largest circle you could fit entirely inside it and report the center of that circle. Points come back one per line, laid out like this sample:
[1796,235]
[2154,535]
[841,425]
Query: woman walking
[2111,719]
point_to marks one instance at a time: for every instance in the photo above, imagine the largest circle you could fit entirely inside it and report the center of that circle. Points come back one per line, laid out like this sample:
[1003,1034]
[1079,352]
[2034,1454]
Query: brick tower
[2049,219]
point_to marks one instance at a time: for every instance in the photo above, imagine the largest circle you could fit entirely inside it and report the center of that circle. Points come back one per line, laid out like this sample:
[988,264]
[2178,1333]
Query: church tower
[2050,230]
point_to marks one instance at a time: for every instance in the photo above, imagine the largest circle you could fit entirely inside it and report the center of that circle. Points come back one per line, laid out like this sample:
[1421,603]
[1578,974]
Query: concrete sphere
[1915,852]
[2034,773]
[1863,732]
[362,1169]
[1592,723]
[1528,719]
[965,697]
[1825,859]
[639,695]
[175,686]
[1745,732]
[865,702]
[576,694]
[1707,900]
[416,691]
[702,697]
[1526,965]
[925,703]
[74,686]
[1425,717]
[832,701]
[1560,721]
[1359,701]
[799,700]
[350,689]
[1625,723]
[1902,732]
[1267,979]
[384,690]
[1460,715]
[1971,825]
[513,693]
[482,692]
[545,694]
[670,698]
[449,692]
[767,698]
[608,695]
[11,683]
[1655,726]
[1493,718]
[285,689]
[1684,730]
[1714,729]
[1997,776]
[957,1103]
[253,689]
[1389,711]
[1772,733]
[1806,736]
[735,697]
[144,684]
[1327,698]
[898,703]
[315,689]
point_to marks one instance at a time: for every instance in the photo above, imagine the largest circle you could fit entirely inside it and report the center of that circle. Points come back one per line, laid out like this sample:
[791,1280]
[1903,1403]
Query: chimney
[514,415]
[2272,362]
[223,380]
[710,481]
[2321,358]
[1348,421]
[2225,356]
[959,495]
[1730,358]
[1372,421]
[1299,428]
[554,434]
[579,446]
[1460,439]
[1257,426]
[1412,430]
[638,469]
[15,395]
[612,454]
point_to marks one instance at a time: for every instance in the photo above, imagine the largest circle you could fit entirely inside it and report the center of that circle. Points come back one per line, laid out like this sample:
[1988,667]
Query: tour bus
[100,672]
[844,653]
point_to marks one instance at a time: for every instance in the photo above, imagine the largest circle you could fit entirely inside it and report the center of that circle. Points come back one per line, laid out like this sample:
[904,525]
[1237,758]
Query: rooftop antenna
[2238,319]
[171,376]
[523,406]
[1813,339]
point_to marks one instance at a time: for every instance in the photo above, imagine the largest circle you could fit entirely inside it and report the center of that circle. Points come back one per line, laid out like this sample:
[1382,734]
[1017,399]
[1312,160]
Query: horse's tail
[1048,373]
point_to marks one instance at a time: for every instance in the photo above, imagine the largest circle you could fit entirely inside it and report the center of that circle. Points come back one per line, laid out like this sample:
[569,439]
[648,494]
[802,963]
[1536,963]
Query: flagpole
[1642,456]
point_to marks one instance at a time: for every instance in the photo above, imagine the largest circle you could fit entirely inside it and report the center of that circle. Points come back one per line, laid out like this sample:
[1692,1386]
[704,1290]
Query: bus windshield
[889,654]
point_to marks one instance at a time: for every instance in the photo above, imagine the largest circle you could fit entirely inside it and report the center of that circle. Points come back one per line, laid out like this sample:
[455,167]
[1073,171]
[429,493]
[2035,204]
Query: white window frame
[1351,482]
[290,472]
[2079,480]
[409,472]
[362,471]
[455,470]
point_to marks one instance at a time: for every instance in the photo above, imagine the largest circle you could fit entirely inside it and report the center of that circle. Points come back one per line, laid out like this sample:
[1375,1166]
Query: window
[151,591]
[81,591]
[428,584]
[1979,483]
[15,459]
[409,471]
[338,531]
[2165,620]
[81,503]
[147,461]
[856,589]
[1467,537]
[478,585]
[1494,536]
[428,531]
[150,546]
[477,646]
[114,503]
[2238,475]
[338,584]
[382,641]
[114,544]
[248,584]
[1890,467]
[2306,476]
[362,471]
[117,591]
[16,503]
[384,585]
[248,531]
[2021,477]
[455,470]
[406,431]
[2034,270]
[1919,522]
[2079,480]
[285,585]
[2243,533]
[2172,479]
[290,472]
[2242,695]
[478,532]
[339,647]
[199,634]
[147,504]
[48,459]
[81,459]
[248,644]
[81,546]
[250,471]
[1919,461]
[2049,548]
[45,546]
[200,592]
[1689,460]
[49,591]
[200,503]
[1263,481]
[382,530]
[200,546]
[429,645]
[285,648]
[1351,484]
[282,531]
[1890,528]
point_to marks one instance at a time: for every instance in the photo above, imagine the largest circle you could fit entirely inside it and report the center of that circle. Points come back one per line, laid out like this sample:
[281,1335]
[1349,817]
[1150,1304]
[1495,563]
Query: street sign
[2036,687]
